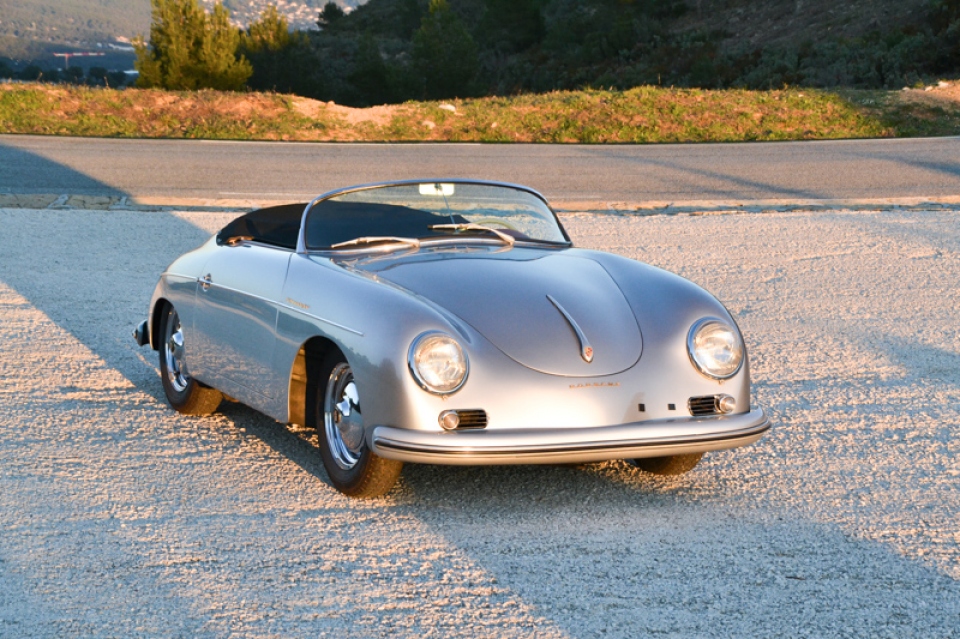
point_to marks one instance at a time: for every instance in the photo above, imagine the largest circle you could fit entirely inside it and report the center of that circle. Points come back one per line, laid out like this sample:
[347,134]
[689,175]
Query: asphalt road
[120,518]
[599,175]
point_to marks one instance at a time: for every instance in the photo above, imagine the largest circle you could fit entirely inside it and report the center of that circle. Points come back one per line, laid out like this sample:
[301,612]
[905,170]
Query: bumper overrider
[653,438]
[141,334]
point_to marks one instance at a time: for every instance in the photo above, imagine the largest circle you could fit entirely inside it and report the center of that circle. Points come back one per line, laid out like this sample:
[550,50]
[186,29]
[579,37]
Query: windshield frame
[302,240]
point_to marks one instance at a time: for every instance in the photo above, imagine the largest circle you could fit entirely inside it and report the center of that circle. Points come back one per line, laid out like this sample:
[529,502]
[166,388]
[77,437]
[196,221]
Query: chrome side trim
[320,319]
[586,351]
[207,284]
[179,276]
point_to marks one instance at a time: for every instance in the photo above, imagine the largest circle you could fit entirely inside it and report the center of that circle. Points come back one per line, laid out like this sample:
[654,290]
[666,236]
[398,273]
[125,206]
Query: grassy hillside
[642,115]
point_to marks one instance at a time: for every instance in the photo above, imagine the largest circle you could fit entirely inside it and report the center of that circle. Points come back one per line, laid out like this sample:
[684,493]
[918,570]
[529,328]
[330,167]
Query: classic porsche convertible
[449,322]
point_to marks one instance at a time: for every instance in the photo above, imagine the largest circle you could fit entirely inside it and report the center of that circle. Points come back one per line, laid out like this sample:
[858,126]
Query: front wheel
[354,469]
[185,394]
[671,465]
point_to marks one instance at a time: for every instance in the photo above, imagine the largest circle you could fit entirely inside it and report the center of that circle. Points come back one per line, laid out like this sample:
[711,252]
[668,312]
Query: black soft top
[274,225]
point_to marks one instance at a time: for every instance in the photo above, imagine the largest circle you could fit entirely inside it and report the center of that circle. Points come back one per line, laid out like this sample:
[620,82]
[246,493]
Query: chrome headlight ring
[715,348]
[438,363]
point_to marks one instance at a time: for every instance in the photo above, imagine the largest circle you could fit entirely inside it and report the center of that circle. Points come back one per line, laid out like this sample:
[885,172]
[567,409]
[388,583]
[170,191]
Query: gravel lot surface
[119,518]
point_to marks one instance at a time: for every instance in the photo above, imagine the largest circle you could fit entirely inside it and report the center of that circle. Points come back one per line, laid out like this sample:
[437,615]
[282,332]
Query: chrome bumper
[654,438]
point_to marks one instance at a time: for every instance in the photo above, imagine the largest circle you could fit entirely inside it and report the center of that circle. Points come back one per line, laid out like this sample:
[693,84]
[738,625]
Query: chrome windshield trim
[586,350]
[302,237]
[211,284]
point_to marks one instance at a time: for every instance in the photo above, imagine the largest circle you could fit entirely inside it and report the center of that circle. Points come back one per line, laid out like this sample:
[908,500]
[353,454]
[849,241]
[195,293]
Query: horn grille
[472,418]
[705,405]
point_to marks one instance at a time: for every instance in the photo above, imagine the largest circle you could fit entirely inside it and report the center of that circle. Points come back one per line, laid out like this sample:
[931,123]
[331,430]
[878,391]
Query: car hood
[504,296]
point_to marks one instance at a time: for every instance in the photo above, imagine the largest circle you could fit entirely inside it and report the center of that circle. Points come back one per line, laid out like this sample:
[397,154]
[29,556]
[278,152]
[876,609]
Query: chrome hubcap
[342,420]
[173,354]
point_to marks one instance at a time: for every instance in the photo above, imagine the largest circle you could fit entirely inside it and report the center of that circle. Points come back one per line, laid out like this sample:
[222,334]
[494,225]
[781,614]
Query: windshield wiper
[378,239]
[509,239]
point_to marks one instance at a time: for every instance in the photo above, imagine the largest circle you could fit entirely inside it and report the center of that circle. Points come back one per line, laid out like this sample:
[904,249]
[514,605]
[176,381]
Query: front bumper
[653,438]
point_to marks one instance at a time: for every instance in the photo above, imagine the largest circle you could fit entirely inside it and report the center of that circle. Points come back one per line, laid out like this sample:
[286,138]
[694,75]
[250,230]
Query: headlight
[715,348]
[438,363]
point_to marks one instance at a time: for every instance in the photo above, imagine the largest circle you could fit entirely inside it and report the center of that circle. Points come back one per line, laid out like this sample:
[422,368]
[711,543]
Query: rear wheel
[354,469]
[184,393]
[672,465]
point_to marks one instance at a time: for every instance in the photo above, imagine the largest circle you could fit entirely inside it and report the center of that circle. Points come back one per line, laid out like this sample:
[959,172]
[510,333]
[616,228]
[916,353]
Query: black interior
[331,222]
[275,225]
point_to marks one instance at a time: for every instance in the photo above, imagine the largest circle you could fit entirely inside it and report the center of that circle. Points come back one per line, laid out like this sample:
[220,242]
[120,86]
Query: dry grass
[641,115]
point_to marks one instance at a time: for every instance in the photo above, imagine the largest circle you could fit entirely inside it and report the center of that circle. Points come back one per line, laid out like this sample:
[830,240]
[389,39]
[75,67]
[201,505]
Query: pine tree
[330,16]
[218,66]
[190,49]
[282,61]
[512,25]
[271,32]
[370,75]
[444,53]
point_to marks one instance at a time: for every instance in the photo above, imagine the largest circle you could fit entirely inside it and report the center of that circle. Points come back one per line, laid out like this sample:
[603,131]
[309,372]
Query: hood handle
[586,351]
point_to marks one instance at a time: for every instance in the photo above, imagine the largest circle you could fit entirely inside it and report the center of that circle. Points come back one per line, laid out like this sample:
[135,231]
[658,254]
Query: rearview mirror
[437,189]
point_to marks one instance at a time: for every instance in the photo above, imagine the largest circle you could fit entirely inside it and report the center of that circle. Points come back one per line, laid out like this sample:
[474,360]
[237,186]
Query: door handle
[205,281]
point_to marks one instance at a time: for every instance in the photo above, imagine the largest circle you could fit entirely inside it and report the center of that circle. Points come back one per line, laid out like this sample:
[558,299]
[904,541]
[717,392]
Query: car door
[236,320]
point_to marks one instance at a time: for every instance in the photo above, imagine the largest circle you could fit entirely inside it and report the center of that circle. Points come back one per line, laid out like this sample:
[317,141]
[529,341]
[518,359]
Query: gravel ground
[119,518]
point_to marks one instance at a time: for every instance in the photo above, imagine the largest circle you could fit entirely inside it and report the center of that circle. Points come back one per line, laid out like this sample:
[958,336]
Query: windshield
[431,210]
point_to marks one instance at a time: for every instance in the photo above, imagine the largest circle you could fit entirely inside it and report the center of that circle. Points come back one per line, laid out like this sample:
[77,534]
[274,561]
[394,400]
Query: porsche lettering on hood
[557,314]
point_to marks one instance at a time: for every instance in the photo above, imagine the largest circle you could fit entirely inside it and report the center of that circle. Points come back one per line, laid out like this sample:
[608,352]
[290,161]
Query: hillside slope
[793,22]
[749,22]
[642,115]
[389,51]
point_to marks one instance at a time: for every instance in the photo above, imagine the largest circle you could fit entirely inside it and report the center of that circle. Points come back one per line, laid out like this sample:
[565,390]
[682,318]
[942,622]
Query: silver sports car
[449,322]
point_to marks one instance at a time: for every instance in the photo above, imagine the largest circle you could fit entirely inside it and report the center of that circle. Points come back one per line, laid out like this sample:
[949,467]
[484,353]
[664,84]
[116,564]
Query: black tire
[354,469]
[185,394]
[672,465]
